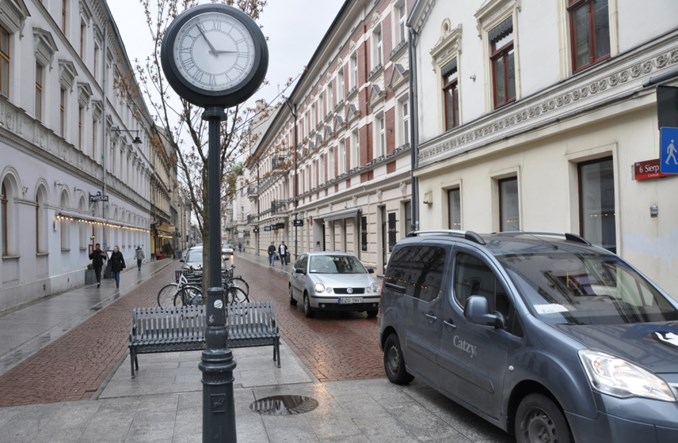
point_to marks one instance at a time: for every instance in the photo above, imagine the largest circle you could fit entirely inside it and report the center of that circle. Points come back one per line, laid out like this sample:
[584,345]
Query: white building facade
[346,186]
[542,116]
[72,170]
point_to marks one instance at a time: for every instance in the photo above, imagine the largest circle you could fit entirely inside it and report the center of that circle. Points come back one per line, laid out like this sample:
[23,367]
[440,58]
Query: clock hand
[213,50]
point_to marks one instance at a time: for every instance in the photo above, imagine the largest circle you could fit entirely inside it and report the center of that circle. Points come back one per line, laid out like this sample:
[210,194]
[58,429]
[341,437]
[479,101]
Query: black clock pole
[217,364]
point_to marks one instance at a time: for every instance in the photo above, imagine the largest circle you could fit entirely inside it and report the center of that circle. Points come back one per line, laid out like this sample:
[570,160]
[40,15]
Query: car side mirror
[299,271]
[370,271]
[182,261]
[477,311]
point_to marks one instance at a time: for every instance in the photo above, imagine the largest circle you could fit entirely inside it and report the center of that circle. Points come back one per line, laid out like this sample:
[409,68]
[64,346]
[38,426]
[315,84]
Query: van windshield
[586,289]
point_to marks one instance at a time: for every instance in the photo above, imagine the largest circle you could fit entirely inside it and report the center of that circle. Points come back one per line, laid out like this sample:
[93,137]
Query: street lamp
[136,140]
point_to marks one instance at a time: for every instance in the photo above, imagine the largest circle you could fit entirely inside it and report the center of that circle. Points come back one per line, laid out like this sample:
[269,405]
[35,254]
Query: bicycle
[183,291]
[228,279]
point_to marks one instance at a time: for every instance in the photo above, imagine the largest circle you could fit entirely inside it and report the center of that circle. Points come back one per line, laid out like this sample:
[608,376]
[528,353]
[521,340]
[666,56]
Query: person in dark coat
[98,256]
[117,264]
[271,254]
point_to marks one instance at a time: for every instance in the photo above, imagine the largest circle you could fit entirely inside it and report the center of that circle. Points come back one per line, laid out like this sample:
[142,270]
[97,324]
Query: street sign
[647,169]
[668,150]
[298,222]
[98,197]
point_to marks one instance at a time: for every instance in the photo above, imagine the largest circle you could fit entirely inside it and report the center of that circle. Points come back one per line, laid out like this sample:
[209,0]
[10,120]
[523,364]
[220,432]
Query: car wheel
[371,313]
[293,302]
[539,419]
[308,310]
[394,363]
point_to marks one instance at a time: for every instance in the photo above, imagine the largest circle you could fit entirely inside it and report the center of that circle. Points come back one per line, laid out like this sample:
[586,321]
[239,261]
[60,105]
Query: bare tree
[183,122]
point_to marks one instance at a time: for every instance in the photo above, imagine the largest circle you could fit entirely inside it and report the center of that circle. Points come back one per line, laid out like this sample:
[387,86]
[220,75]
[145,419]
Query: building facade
[75,146]
[543,116]
[347,185]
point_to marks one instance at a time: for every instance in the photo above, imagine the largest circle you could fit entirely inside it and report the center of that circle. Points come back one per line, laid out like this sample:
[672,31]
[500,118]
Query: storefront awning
[341,215]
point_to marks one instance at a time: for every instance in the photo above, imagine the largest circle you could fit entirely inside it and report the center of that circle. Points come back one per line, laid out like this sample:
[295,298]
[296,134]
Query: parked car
[333,281]
[545,336]
[192,261]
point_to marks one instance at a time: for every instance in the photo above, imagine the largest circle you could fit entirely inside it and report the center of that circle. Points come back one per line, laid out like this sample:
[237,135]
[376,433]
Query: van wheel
[394,363]
[293,302]
[308,310]
[539,419]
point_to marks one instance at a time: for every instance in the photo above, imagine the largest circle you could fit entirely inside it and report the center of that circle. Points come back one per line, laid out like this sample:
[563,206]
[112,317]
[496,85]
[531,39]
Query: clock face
[214,51]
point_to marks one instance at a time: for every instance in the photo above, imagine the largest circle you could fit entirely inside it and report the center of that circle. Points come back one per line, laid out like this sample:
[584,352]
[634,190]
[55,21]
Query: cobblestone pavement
[76,366]
[334,346]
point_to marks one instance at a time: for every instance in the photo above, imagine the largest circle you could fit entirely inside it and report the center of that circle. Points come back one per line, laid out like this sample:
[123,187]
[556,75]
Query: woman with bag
[117,264]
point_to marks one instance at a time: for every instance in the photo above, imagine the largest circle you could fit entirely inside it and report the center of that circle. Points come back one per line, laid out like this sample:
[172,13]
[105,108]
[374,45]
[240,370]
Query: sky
[294,29]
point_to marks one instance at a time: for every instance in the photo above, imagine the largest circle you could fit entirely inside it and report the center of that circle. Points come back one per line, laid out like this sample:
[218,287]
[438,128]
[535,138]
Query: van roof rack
[468,235]
[568,236]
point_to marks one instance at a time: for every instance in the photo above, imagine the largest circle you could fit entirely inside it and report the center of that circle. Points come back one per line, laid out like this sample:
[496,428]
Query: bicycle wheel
[236,295]
[188,296]
[166,295]
[240,282]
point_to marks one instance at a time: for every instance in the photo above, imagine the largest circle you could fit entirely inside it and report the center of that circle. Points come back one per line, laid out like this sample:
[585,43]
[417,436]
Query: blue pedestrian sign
[668,150]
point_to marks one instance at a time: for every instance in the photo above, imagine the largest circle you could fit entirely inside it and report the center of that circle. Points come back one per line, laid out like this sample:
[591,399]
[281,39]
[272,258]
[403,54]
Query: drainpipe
[414,132]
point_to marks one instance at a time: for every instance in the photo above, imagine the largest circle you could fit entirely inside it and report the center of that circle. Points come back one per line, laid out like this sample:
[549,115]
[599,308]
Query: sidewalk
[164,402]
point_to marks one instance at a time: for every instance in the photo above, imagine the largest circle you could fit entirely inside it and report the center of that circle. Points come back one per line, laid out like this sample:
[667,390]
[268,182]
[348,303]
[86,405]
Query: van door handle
[431,318]
[450,323]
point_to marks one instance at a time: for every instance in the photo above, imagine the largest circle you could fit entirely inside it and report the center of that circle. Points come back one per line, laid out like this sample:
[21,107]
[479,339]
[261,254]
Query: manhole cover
[284,405]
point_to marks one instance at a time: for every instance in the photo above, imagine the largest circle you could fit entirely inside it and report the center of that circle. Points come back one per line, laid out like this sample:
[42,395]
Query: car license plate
[348,301]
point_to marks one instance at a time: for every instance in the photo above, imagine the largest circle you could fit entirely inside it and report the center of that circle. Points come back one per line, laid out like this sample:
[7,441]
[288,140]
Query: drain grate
[284,405]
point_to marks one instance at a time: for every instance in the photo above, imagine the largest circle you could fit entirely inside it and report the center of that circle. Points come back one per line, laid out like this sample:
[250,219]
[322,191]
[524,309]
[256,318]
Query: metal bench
[182,328]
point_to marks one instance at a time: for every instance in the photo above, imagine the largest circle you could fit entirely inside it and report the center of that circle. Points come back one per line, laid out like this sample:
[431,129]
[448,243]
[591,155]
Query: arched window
[41,220]
[65,224]
[82,227]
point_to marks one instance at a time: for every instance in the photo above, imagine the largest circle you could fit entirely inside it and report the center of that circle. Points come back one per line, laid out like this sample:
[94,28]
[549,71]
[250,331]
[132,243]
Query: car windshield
[194,255]
[586,289]
[335,264]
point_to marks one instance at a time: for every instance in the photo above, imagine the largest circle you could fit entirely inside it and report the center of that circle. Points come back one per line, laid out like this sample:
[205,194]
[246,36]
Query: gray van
[543,335]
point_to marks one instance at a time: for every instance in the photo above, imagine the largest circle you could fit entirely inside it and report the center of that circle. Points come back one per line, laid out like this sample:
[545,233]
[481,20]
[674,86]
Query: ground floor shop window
[597,203]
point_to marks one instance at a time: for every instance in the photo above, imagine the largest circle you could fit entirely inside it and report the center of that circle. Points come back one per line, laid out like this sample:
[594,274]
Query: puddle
[284,405]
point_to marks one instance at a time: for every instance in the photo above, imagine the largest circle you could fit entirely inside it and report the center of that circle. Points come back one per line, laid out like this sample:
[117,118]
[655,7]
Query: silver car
[192,261]
[333,281]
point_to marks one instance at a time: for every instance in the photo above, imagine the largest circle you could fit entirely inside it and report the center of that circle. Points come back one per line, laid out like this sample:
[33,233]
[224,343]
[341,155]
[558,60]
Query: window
[473,277]
[332,166]
[418,271]
[454,208]
[589,32]
[330,96]
[377,48]
[342,157]
[39,79]
[83,38]
[40,221]
[451,95]
[404,107]
[353,66]
[509,219]
[392,230]
[340,84]
[95,138]
[597,203]
[64,15]
[65,224]
[4,218]
[407,209]
[63,97]
[501,58]
[380,136]
[4,62]
[97,52]
[81,127]
[401,29]
[363,233]
[355,149]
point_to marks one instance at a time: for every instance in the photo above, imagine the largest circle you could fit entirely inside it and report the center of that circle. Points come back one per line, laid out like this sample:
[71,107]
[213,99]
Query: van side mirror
[477,311]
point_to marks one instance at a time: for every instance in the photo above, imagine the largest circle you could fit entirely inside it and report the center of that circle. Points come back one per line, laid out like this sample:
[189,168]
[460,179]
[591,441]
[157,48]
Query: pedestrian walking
[98,256]
[282,251]
[139,255]
[271,254]
[117,264]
